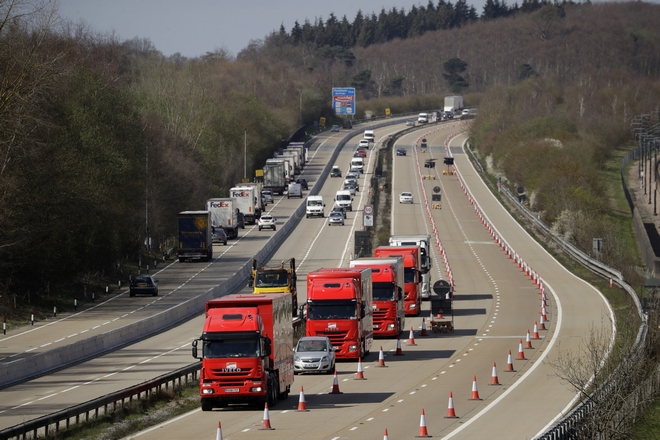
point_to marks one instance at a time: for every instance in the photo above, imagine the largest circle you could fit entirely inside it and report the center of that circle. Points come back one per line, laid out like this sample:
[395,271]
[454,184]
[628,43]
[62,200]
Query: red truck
[387,285]
[246,350]
[339,306]
[411,274]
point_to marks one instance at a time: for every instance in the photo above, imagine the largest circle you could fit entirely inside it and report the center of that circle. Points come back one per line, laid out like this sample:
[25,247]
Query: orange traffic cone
[411,338]
[386,437]
[493,379]
[265,424]
[451,414]
[423,328]
[542,323]
[302,405]
[528,341]
[509,363]
[543,313]
[439,316]
[521,352]
[218,436]
[398,348]
[381,358]
[536,331]
[475,391]
[360,372]
[335,385]
[423,432]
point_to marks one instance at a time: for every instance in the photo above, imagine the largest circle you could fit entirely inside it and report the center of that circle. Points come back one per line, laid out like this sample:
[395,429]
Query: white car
[363,144]
[267,221]
[405,197]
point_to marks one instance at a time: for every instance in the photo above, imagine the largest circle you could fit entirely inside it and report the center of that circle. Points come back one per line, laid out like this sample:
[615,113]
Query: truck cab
[315,207]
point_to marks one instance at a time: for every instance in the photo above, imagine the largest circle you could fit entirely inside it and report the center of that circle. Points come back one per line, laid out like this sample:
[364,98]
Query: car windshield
[406,194]
[266,218]
[314,203]
[311,345]
[343,197]
[336,214]
[331,310]
[272,279]
[232,346]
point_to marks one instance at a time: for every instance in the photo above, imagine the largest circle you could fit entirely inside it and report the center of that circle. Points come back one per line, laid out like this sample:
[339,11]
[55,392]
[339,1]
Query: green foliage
[453,68]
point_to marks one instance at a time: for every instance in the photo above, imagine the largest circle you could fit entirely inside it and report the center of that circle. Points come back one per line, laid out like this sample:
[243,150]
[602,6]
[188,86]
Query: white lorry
[424,243]
[224,215]
[303,151]
[297,166]
[453,106]
[315,206]
[291,175]
[247,202]
[343,199]
[423,118]
[277,175]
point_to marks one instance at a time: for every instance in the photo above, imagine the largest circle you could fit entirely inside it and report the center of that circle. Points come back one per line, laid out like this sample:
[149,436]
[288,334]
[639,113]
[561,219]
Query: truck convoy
[224,215]
[247,202]
[297,165]
[195,236]
[453,106]
[388,290]
[425,261]
[300,147]
[275,175]
[264,280]
[246,350]
[339,306]
[411,270]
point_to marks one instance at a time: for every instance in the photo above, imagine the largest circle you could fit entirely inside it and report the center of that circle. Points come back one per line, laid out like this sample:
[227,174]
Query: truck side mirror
[362,311]
[267,346]
[194,349]
[430,262]
[302,313]
[251,282]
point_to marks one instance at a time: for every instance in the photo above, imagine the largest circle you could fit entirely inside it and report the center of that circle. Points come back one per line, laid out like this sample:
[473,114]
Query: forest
[103,141]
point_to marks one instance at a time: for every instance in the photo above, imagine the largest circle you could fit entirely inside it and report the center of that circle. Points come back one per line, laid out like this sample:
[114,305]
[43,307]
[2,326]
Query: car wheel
[155,293]
[260,228]
[273,228]
[131,294]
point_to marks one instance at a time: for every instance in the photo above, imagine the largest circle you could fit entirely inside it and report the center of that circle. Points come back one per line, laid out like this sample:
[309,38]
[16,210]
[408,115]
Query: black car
[347,124]
[303,183]
[219,235]
[143,284]
[339,209]
[400,151]
[335,172]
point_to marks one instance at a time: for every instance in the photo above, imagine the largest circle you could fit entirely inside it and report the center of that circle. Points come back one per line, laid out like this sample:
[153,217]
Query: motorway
[495,304]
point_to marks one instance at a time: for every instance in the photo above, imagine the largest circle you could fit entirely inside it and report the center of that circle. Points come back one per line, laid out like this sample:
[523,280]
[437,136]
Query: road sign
[343,100]
[368,209]
[368,219]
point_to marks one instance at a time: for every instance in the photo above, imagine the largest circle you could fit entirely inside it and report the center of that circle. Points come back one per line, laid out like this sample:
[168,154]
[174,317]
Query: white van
[315,206]
[423,118]
[295,190]
[343,199]
[369,135]
[357,163]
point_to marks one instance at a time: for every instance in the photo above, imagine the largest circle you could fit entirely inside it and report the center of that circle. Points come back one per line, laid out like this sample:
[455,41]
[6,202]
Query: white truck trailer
[424,243]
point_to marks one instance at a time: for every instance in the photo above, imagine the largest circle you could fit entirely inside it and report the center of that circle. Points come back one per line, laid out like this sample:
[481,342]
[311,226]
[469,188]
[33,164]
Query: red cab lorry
[246,350]
[339,306]
[388,290]
[411,274]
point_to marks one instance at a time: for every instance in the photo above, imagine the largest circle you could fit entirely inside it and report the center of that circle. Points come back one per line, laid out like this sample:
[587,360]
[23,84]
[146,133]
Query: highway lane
[170,350]
[495,304]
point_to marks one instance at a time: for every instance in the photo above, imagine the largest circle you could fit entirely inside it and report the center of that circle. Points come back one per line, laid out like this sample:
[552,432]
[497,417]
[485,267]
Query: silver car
[314,354]
[268,195]
[336,218]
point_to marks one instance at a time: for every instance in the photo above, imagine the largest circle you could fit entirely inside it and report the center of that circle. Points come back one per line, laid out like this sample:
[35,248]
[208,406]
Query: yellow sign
[259,173]
[322,122]
[245,180]
[387,112]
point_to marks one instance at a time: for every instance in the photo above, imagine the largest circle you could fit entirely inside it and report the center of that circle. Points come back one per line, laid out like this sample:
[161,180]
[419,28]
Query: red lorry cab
[411,274]
[387,283]
[339,306]
[247,350]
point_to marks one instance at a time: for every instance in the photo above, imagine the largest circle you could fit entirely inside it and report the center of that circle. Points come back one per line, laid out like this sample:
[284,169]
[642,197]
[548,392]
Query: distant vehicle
[315,207]
[364,143]
[339,209]
[295,190]
[268,195]
[350,186]
[143,285]
[423,118]
[344,200]
[219,235]
[335,172]
[449,115]
[334,128]
[400,151]
[369,135]
[410,122]
[465,112]
[347,124]
[195,236]
[405,197]
[314,354]
[358,162]
[267,221]
[361,152]
[335,218]
[303,183]
[423,144]
[453,106]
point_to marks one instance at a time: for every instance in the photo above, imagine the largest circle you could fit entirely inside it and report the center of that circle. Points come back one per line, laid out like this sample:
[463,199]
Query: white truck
[453,106]
[276,175]
[247,201]
[224,215]
[297,166]
[424,243]
[291,173]
[261,205]
[343,199]
[315,206]
[423,118]
[300,146]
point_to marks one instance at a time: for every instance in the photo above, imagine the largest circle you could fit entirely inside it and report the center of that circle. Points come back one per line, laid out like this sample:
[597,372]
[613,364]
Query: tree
[453,68]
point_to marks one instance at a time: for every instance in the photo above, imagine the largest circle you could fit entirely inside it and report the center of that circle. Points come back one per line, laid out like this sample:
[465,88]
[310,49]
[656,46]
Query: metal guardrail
[53,423]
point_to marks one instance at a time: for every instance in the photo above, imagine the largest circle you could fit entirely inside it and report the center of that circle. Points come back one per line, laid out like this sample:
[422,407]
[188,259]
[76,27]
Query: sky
[195,27]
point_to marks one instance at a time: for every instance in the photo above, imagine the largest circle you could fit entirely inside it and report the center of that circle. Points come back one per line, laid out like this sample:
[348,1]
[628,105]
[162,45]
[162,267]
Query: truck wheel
[207,405]
[181,260]
[273,228]
[132,294]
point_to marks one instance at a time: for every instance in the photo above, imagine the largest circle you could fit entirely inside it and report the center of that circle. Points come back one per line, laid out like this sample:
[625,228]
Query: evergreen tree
[453,68]
[296,33]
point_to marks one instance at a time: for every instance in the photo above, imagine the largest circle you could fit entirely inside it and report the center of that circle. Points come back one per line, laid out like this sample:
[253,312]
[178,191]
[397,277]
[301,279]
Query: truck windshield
[331,310]
[383,291]
[232,346]
[409,275]
[272,279]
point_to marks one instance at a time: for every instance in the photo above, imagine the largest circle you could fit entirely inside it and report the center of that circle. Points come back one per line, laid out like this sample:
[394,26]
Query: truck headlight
[352,348]
[207,391]
[255,389]
[390,326]
[413,306]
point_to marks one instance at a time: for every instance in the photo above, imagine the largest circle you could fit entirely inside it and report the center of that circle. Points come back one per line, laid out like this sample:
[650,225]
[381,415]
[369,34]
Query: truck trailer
[247,202]
[453,106]
[339,306]
[224,214]
[195,236]
[276,175]
[246,350]
[411,274]
[425,261]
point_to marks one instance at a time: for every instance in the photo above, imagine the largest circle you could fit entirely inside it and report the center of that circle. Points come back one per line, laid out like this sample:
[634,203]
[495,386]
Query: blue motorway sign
[343,100]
